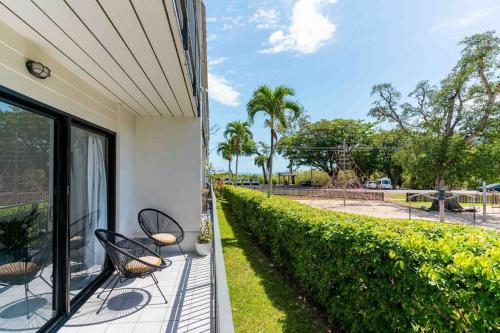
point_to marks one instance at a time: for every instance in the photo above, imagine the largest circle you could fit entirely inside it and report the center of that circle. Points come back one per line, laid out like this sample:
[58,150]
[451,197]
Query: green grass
[262,297]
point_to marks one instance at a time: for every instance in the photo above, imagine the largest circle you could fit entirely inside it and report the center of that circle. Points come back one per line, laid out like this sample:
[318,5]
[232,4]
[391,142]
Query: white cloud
[231,22]
[211,19]
[309,29]
[464,21]
[212,37]
[216,61]
[222,91]
[265,18]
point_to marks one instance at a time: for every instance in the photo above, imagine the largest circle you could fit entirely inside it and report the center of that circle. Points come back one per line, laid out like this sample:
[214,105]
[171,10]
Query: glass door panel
[26,226]
[88,206]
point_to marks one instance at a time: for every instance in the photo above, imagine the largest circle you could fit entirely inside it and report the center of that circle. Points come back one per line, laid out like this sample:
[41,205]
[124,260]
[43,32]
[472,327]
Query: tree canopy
[444,125]
[315,143]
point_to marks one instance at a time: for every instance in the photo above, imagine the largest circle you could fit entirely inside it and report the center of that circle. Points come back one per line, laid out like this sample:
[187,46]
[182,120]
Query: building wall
[63,90]
[158,159]
[168,170]
[126,209]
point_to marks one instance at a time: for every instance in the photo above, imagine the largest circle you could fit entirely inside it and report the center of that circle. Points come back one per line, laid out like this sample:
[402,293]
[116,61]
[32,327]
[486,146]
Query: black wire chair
[161,229]
[29,263]
[131,260]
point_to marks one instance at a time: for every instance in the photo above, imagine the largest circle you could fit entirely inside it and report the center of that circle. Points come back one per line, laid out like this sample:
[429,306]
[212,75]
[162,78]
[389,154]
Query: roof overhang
[131,51]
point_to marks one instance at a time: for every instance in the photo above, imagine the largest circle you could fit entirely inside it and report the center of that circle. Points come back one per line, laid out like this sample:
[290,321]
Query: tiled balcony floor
[137,306]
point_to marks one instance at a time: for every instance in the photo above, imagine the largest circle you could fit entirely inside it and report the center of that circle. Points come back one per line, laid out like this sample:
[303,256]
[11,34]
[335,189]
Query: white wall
[126,210]
[168,170]
[63,90]
[158,159]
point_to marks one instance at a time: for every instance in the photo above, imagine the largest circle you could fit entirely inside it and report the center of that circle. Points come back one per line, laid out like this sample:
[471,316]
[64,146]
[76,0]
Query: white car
[255,182]
[246,181]
[228,181]
[238,181]
[371,185]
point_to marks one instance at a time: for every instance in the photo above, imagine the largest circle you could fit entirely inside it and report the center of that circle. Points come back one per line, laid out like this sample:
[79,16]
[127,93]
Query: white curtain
[96,197]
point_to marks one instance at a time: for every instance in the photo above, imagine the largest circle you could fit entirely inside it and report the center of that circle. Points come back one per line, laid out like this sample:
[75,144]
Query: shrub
[380,275]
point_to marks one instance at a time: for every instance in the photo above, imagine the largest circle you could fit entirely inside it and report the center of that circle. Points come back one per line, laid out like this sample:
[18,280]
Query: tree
[225,150]
[275,104]
[24,149]
[317,144]
[443,123]
[262,159]
[239,135]
[294,124]
[385,144]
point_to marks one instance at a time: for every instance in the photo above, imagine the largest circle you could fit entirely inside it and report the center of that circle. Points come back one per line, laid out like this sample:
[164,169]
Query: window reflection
[26,176]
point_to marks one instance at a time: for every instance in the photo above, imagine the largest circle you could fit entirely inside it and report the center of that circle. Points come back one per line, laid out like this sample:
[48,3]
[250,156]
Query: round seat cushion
[76,242]
[137,267]
[164,238]
[17,269]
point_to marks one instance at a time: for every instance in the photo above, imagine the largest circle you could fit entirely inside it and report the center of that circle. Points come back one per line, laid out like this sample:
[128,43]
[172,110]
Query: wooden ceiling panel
[123,15]
[154,19]
[36,26]
[126,49]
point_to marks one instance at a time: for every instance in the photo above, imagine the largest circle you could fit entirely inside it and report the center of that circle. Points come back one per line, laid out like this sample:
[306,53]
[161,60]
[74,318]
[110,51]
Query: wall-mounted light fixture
[37,69]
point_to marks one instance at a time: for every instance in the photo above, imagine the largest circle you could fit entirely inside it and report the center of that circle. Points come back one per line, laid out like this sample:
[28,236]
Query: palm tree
[240,136]
[275,104]
[225,149]
[262,159]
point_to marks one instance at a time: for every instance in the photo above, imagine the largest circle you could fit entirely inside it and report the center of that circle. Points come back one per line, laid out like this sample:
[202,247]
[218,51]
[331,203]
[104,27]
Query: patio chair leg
[157,286]
[112,279]
[114,285]
[183,254]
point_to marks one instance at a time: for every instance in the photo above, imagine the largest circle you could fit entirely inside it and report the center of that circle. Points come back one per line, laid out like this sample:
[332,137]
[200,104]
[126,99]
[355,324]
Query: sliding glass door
[88,206]
[56,189]
[26,226]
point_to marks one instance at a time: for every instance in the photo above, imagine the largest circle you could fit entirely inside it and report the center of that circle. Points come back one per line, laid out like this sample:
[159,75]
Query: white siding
[126,209]
[158,159]
[168,163]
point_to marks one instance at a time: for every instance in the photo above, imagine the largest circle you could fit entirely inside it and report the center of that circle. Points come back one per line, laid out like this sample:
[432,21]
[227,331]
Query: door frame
[64,308]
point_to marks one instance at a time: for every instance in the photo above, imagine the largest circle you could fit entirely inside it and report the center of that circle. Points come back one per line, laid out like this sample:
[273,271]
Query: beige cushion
[76,238]
[138,267]
[164,238]
[14,269]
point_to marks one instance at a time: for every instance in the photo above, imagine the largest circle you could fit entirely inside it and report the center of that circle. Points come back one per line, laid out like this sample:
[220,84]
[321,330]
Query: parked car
[490,188]
[238,181]
[228,181]
[246,182]
[308,183]
[384,184]
[371,185]
[255,182]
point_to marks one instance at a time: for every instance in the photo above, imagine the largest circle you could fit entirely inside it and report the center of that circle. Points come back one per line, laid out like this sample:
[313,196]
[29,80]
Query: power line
[336,149]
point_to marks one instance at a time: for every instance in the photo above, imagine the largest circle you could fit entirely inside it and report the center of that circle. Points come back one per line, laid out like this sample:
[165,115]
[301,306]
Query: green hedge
[380,275]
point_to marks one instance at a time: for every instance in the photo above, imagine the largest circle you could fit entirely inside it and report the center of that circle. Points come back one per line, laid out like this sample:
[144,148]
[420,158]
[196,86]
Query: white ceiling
[126,49]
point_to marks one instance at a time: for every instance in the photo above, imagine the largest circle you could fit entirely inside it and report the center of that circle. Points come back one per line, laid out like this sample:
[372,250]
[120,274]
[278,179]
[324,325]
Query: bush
[380,275]
[321,178]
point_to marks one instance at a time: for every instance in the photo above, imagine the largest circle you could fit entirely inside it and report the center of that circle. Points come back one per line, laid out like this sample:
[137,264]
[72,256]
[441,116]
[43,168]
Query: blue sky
[331,52]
